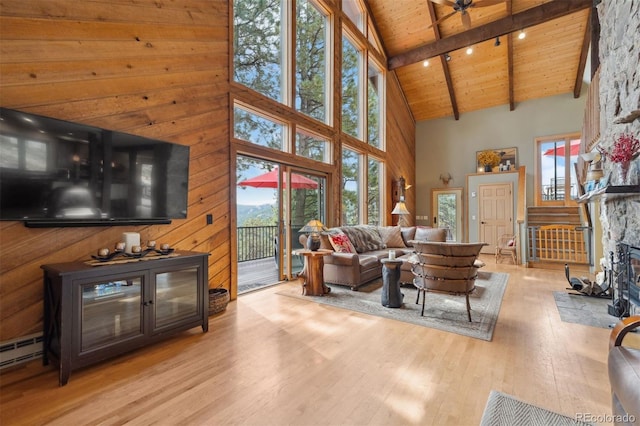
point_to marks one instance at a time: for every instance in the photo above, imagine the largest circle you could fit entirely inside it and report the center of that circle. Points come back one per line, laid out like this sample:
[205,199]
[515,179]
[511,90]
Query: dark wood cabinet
[92,313]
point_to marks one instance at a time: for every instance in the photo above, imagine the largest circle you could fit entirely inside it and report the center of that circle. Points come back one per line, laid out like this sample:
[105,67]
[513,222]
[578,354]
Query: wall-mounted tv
[58,173]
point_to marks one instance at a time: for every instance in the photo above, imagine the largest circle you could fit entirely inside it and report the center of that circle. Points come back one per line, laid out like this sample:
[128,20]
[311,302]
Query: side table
[312,275]
[391,294]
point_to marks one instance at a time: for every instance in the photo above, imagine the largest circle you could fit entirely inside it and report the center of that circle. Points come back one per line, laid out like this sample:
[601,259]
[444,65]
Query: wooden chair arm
[621,329]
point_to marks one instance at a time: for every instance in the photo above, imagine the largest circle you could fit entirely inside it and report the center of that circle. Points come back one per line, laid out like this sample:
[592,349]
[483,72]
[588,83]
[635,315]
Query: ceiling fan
[462,6]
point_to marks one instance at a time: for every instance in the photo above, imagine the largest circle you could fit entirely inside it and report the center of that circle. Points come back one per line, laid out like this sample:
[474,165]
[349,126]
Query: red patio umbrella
[559,151]
[270,180]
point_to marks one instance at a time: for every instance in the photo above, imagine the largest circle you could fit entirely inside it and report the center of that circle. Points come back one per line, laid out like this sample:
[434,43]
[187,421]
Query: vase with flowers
[488,159]
[626,148]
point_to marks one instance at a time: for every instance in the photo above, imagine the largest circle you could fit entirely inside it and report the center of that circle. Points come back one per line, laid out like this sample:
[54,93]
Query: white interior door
[495,210]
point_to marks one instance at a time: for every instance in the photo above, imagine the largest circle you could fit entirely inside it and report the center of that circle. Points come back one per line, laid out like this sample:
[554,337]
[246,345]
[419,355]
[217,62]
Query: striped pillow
[364,237]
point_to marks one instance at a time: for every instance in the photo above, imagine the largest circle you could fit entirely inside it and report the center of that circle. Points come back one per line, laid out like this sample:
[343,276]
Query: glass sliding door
[304,199]
[273,202]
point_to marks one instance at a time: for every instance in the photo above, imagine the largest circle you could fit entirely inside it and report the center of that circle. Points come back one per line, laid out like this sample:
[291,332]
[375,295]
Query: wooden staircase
[554,237]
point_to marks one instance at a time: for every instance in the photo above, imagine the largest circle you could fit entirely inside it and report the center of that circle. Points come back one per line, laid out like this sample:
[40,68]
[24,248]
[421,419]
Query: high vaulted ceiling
[549,61]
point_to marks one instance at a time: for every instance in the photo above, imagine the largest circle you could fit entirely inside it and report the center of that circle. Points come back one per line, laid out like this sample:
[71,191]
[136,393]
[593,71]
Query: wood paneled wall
[153,68]
[156,69]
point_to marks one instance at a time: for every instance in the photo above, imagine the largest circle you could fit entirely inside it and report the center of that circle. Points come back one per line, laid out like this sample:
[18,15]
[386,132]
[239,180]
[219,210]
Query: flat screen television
[58,173]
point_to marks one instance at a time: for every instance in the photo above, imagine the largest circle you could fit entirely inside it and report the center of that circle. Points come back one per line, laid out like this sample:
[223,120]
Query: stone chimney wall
[619,112]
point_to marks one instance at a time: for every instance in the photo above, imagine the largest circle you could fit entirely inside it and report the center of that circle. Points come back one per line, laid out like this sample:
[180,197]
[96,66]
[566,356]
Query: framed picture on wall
[506,158]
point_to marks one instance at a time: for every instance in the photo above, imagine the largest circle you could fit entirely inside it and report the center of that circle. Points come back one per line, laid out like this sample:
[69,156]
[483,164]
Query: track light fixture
[447,57]
[497,43]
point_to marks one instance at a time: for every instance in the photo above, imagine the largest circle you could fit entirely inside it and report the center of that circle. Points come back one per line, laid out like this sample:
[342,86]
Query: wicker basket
[218,300]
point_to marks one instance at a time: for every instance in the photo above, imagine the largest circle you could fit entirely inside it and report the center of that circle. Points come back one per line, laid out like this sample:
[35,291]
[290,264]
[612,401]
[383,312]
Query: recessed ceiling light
[425,63]
[522,35]
[469,50]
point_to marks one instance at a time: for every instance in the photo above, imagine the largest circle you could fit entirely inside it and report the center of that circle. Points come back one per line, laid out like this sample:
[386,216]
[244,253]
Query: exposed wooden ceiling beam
[586,40]
[445,65]
[530,17]
[512,99]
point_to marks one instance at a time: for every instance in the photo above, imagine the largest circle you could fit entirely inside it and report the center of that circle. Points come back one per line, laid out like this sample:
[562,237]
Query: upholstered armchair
[445,267]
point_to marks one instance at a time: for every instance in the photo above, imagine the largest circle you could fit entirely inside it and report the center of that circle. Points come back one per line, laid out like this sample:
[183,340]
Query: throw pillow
[391,236]
[364,237]
[341,243]
[408,234]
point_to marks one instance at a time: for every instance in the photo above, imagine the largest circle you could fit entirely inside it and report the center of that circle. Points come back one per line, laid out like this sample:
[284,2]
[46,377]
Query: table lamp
[401,209]
[313,228]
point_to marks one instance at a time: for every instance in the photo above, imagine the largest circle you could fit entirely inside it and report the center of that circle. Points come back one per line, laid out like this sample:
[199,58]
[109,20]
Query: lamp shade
[313,226]
[400,208]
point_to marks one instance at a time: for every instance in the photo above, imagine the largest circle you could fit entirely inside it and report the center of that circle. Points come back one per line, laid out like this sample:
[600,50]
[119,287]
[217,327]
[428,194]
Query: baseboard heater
[20,350]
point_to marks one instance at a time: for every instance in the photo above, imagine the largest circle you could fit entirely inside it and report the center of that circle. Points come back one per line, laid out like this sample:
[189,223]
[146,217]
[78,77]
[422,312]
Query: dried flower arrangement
[489,158]
[625,149]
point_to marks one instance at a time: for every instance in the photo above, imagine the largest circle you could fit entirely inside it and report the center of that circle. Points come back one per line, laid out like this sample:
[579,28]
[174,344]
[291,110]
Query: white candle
[130,239]
[392,254]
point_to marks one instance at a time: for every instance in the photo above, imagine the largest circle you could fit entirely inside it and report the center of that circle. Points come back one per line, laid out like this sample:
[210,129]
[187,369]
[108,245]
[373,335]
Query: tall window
[351,65]
[374,87]
[312,33]
[556,181]
[374,199]
[350,187]
[258,46]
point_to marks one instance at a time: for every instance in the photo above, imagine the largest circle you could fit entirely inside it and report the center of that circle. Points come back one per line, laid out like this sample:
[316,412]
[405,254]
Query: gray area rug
[443,312]
[583,310]
[505,410]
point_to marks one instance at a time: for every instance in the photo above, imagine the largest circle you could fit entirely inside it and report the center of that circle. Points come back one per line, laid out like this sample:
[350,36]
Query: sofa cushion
[364,237]
[341,243]
[391,236]
[408,234]
[425,233]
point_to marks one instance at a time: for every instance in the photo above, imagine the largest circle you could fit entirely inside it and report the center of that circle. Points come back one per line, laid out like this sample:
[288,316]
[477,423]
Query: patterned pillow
[364,237]
[391,236]
[341,243]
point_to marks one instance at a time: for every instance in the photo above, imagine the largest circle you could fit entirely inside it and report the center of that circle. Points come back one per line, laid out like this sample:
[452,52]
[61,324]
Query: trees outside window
[312,69]
[259,46]
[351,165]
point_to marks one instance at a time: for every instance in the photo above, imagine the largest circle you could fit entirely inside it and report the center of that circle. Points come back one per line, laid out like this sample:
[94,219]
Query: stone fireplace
[619,55]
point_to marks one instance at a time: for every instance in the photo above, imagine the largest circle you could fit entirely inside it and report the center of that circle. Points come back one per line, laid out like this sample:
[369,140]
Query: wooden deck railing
[256,242]
[560,243]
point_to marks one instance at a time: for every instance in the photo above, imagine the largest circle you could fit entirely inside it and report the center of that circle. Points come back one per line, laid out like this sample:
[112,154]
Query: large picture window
[351,165]
[312,34]
[284,51]
[374,89]
[258,46]
[351,65]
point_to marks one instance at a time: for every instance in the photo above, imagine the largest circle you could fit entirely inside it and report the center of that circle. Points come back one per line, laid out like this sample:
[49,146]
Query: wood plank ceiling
[549,61]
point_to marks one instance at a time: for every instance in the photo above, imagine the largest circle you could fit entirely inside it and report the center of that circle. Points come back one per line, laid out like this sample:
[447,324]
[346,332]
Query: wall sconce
[400,186]
[446,178]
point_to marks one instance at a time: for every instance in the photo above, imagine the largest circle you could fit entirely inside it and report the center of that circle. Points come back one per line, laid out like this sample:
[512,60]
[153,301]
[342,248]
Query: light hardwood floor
[274,360]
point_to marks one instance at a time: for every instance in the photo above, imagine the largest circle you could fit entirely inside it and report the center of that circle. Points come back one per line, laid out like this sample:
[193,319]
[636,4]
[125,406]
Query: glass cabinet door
[111,311]
[176,297]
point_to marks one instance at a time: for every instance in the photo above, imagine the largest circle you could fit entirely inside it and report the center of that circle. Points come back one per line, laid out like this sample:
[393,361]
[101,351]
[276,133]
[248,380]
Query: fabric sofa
[624,374]
[357,251]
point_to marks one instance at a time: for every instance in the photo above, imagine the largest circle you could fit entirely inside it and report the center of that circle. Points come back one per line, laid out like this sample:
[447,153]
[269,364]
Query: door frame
[458,192]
